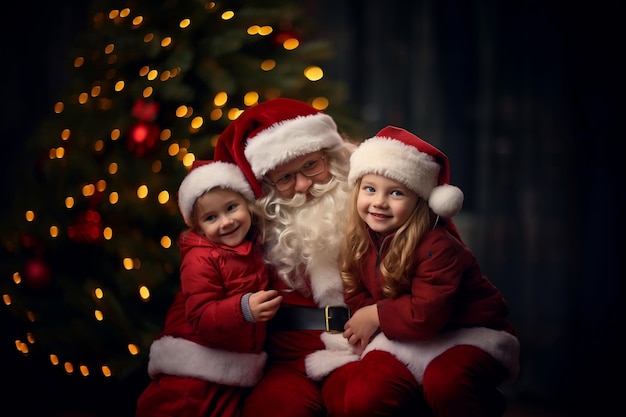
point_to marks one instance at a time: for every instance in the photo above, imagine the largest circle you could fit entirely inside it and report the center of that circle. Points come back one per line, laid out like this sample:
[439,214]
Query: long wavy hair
[299,232]
[398,262]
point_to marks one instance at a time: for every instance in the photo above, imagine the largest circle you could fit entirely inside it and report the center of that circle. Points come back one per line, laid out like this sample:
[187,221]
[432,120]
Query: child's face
[384,204]
[223,216]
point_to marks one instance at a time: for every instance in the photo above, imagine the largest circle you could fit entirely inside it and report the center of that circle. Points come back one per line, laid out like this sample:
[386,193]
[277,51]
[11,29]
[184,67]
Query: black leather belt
[330,318]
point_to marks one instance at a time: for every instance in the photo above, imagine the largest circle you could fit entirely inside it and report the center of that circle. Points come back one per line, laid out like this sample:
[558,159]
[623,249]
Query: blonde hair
[398,262]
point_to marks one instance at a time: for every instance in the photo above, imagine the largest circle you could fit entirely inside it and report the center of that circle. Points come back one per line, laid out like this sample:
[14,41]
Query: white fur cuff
[176,356]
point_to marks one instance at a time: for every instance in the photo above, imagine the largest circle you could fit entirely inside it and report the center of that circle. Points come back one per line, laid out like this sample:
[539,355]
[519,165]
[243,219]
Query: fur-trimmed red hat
[272,133]
[205,176]
[400,155]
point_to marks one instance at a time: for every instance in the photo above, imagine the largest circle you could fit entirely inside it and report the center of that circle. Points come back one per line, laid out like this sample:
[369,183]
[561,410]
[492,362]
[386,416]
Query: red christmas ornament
[87,228]
[142,137]
[145,110]
[37,273]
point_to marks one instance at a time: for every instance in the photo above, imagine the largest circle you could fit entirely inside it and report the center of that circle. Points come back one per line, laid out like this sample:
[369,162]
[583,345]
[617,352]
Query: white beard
[304,239]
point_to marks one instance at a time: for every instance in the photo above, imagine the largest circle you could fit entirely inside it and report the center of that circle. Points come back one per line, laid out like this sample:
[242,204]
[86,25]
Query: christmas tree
[89,254]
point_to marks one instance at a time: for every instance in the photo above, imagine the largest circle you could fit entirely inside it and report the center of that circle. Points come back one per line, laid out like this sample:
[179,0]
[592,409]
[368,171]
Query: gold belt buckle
[327,318]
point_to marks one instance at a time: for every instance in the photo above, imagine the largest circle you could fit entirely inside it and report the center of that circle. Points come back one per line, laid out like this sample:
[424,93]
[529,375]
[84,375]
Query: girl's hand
[361,327]
[264,304]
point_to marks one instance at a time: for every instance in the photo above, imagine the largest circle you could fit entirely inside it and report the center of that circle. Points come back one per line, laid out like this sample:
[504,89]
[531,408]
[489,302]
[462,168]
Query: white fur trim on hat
[288,139]
[405,164]
[176,356]
[206,177]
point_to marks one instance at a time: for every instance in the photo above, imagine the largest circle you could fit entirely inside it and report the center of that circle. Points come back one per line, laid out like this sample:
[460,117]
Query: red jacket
[451,302]
[205,334]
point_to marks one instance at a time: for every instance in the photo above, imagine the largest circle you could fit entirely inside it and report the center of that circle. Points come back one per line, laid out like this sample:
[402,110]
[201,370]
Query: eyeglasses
[309,169]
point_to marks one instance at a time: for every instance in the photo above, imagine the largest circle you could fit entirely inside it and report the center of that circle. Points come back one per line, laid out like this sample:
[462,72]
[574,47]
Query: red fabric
[378,385]
[448,291]
[232,142]
[463,381]
[207,311]
[169,396]
[213,280]
[284,391]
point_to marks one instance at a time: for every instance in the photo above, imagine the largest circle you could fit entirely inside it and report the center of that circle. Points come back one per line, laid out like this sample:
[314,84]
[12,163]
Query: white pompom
[446,200]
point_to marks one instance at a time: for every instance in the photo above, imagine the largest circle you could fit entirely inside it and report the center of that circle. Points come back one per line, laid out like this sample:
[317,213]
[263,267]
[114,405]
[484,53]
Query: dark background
[523,96]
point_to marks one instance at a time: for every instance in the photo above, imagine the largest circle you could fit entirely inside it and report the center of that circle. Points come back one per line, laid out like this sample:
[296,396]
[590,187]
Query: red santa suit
[306,349]
[208,354]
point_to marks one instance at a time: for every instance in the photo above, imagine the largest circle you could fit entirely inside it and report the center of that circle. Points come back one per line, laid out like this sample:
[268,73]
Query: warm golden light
[54,359]
[6,298]
[291,44]
[107,233]
[251,98]
[128,263]
[184,23]
[144,293]
[133,349]
[89,190]
[54,231]
[227,15]
[142,191]
[313,73]
[197,122]
[163,197]
[234,113]
[30,216]
[173,149]
[216,114]
[69,202]
[166,242]
[165,134]
[182,111]
[265,30]
[98,315]
[189,159]
[220,99]
[320,103]
[106,371]
[268,65]
[69,368]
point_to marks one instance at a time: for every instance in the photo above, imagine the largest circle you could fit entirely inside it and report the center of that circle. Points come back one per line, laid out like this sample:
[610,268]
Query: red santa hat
[205,176]
[403,157]
[272,133]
